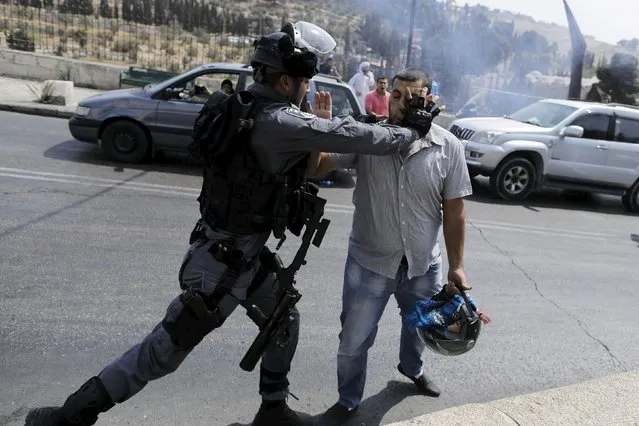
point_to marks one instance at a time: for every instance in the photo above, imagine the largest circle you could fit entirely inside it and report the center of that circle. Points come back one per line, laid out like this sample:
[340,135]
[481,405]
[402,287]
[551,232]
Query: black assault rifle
[274,327]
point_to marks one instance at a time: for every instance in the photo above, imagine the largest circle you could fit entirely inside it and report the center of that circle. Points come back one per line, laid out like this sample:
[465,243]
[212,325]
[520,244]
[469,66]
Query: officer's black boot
[276,413]
[80,409]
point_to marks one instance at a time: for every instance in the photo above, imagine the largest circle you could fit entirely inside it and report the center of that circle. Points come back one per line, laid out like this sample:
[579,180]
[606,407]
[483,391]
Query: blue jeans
[364,299]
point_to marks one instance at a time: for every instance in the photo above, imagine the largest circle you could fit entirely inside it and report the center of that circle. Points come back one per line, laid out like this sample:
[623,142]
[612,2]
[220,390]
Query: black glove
[433,109]
[420,117]
[366,118]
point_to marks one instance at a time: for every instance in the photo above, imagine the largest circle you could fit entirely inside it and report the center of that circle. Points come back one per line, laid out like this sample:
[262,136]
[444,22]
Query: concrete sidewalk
[23,96]
[607,401]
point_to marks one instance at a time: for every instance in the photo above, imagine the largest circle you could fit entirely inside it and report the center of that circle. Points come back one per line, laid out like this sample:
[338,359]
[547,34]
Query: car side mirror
[572,132]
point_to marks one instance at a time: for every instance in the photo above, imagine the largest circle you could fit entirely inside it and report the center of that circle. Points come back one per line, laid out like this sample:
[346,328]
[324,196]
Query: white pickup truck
[577,145]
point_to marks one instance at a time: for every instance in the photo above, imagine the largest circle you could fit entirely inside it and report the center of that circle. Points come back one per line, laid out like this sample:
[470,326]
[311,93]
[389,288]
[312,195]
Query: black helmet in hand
[461,325]
[293,51]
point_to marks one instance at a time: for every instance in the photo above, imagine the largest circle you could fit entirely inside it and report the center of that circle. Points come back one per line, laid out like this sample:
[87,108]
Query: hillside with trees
[451,39]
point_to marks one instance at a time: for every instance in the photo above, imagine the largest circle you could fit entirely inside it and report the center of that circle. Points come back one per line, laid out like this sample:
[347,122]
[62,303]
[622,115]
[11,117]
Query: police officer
[222,267]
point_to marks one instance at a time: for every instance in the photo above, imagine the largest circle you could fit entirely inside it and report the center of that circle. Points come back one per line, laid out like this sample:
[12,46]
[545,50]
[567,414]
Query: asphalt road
[90,251]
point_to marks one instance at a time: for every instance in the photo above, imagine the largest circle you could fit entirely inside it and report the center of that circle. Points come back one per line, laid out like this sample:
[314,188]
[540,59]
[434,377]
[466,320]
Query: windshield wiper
[530,122]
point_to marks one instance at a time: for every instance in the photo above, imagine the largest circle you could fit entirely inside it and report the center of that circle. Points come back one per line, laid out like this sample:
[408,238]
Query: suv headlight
[486,137]
[82,111]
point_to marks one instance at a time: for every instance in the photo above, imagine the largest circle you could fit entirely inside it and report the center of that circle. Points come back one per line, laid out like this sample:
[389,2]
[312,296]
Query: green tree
[160,12]
[105,9]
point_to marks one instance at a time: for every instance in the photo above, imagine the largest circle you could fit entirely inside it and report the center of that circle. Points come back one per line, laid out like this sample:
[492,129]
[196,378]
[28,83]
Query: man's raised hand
[323,105]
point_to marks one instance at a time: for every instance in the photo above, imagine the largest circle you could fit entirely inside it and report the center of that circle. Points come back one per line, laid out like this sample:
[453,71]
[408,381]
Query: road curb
[40,110]
[605,401]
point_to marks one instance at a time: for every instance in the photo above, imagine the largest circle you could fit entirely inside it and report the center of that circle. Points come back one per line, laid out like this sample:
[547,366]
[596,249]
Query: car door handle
[602,147]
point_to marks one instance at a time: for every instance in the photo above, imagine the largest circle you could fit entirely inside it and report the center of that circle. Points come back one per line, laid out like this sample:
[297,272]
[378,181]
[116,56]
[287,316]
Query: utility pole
[409,48]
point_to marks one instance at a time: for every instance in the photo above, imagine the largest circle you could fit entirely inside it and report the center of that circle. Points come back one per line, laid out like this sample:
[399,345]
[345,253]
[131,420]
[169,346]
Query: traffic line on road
[333,208]
[98,180]
[558,234]
[504,225]
[122,184]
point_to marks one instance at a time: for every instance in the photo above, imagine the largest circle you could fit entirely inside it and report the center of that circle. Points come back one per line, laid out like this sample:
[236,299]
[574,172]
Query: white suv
[578,145]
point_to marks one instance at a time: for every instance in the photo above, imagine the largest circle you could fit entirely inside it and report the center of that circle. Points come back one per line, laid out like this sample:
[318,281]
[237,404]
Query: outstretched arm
[306,132]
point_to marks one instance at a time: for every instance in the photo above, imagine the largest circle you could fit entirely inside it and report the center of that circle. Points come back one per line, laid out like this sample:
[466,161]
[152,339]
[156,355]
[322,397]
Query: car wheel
[514,179]
[631,198]
[125,141]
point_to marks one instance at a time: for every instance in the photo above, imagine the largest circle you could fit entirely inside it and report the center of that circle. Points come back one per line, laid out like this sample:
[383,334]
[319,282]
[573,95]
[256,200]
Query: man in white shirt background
[362,82]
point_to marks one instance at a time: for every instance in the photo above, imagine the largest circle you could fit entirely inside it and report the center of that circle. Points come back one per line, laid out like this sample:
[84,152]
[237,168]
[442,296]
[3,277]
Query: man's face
[401,94]
[382,84]
[305,87]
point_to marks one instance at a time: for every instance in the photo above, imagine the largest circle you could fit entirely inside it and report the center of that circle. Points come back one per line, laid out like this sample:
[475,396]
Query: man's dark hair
[383,77]
[412,75]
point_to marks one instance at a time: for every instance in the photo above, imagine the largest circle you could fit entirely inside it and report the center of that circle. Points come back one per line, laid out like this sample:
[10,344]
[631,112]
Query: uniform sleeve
[457,181]
[295,131]
[343,161]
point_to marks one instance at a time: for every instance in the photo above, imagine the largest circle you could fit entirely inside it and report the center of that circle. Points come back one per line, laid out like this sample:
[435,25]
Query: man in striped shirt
[401,202]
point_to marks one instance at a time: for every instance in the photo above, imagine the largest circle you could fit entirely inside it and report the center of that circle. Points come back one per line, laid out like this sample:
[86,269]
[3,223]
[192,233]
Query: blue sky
[590,15]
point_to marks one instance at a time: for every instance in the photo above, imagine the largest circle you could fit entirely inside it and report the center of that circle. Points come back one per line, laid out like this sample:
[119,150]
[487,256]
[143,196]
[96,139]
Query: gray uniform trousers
[157,356]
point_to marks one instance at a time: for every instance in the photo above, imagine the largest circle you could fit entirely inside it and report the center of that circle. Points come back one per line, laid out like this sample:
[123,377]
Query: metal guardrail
[150,34]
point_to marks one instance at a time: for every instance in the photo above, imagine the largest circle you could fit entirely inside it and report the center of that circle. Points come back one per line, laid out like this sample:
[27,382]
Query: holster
[270,263]
[227,253]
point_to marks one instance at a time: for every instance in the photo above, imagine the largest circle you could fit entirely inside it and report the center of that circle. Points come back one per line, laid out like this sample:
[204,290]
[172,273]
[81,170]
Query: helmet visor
[313,38]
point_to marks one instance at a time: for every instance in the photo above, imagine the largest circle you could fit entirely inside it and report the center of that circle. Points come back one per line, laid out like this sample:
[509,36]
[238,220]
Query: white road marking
[496,225]
[118,184]
[122,184]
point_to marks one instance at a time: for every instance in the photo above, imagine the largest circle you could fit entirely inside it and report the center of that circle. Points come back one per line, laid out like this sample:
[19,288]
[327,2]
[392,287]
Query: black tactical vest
[237,195]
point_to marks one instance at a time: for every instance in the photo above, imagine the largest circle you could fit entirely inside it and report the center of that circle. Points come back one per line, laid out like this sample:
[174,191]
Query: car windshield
[542,114]
[170,81]
[342,102]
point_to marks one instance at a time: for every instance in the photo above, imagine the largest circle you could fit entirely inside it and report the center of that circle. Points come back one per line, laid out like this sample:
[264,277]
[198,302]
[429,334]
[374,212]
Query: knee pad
[189,319]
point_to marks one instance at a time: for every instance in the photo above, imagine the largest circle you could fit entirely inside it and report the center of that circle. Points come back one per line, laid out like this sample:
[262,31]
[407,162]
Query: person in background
[434,89]
[227,87]
[376,102]
[362,82]
[329,67]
